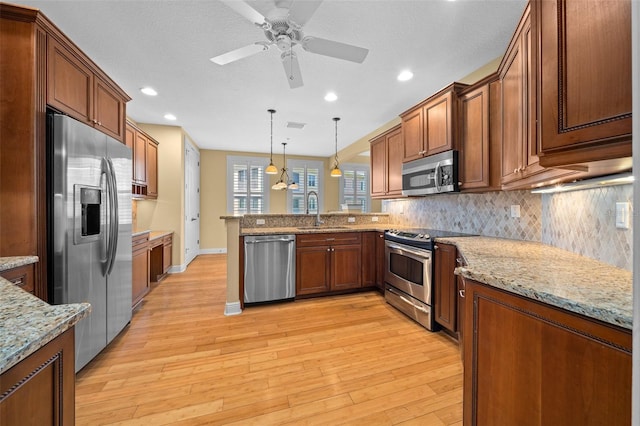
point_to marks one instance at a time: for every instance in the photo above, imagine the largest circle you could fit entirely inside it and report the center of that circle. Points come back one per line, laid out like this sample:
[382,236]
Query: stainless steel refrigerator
[89,232]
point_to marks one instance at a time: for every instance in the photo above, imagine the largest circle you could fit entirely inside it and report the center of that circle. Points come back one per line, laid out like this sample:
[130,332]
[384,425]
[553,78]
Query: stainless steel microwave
[434,174]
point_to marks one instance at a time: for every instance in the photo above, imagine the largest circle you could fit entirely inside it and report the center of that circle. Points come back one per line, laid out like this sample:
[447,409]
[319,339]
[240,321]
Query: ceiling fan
[282,22]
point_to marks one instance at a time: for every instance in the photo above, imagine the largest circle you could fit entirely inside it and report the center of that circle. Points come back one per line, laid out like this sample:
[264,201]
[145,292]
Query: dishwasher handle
[279,240]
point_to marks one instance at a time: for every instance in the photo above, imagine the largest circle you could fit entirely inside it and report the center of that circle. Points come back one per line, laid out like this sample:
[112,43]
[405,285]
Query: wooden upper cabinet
[584,62]
[430,127]
[129,137]
[480,136]
[152,168]
[140,159]
[76,88]
[386,164]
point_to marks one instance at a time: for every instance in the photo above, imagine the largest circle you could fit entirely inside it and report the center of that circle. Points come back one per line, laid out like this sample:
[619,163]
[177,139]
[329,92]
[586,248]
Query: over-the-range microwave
[434,174]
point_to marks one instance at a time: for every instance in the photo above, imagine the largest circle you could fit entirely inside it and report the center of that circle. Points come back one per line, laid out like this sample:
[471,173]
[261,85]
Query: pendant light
[336,172]
[271,168]
[285,181]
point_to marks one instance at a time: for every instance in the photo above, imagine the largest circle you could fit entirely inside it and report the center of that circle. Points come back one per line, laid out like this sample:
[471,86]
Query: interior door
[192,202]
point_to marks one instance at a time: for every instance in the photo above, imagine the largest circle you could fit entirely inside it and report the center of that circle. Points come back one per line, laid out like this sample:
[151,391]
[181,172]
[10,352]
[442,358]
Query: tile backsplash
[582,222]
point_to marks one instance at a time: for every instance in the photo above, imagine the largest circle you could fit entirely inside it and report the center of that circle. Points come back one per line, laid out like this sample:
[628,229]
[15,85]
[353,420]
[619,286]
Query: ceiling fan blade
[292,69]
[245,10]
[334,49]
[301,11]
[241,53]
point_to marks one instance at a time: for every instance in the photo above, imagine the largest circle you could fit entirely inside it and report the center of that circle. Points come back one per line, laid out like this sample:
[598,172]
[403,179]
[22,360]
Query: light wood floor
[349,359]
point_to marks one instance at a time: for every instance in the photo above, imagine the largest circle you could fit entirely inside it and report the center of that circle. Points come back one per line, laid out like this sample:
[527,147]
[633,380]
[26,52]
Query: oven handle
[423,255]
[407,301]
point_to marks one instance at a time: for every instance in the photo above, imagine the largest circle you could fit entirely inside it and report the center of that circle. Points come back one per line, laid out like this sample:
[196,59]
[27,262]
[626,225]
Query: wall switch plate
[259,221]
[374,218]
[515,210]
[351,220]
[622,215]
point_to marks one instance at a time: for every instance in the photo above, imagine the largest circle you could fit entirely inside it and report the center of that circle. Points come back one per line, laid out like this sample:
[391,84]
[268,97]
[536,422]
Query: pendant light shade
[336,172]
[284,182]
[271,168]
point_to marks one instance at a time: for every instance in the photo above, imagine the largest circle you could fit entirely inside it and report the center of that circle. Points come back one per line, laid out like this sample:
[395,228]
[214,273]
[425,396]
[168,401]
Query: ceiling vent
[294,125]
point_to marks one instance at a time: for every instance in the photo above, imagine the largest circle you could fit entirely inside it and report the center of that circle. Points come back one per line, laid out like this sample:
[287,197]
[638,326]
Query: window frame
[249,161]
[356,167]
[306,164]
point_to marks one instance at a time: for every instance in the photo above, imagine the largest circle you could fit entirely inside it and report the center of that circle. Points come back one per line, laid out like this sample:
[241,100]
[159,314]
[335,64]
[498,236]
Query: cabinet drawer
[140,242]
[333,239]
[22,276]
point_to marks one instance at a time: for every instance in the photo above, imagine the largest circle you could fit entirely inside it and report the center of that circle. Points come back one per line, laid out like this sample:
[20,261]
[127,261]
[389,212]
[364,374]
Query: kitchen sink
[322,228]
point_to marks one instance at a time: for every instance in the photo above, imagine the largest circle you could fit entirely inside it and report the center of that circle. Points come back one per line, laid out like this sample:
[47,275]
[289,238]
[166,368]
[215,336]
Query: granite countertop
[27,323]
[153,235]
[550,275]
[263,230]
[16,261]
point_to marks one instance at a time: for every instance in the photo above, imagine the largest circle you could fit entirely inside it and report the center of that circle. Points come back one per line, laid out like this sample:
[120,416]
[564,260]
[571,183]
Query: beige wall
[167,211]
[213,198]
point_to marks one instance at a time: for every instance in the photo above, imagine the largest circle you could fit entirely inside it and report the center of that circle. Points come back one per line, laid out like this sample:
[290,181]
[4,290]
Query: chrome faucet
[318,221]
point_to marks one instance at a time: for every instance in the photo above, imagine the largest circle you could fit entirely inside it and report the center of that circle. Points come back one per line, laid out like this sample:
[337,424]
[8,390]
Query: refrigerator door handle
[112,197]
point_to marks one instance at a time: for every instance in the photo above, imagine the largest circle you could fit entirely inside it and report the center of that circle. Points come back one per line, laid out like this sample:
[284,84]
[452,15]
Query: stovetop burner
[420,237]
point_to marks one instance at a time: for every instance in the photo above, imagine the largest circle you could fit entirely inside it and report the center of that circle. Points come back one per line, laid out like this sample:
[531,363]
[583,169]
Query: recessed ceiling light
[405,75]
[330,97]
[170,117]
[149,91]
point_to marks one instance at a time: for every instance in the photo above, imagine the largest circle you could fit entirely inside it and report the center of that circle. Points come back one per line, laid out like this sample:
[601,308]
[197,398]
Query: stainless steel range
[409,271]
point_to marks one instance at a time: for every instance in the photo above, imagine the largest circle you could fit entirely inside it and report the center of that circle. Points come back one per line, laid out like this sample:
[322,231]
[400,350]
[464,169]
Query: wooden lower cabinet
[40,390]
[140,268]
[528,363]
[369,260]
[445,287]
[160,257]
[380,260]
[328,262]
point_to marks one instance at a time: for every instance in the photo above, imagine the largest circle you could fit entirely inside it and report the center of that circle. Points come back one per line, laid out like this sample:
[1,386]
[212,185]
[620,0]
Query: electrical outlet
[374,218]
[622,215]
[351,220]
[259,221]
[515,210]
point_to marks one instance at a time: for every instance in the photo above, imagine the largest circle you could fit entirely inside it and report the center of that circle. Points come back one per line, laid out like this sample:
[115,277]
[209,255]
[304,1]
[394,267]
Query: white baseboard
[176,269]
[213,251]
[232,308]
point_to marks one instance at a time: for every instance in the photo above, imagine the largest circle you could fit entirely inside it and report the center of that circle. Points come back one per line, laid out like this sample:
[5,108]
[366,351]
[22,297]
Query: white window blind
[354,185]
[246,185]
[308,175]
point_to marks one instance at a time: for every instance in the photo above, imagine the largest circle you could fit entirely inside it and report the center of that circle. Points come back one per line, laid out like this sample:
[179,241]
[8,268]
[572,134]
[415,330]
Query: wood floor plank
[348,359]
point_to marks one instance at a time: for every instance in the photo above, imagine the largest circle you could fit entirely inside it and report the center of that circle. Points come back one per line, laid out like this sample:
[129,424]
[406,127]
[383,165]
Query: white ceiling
[167,45]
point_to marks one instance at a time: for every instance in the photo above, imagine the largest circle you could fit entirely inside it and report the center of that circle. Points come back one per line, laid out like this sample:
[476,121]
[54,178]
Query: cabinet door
[109,110]
[345,267]
[313,273]
[369,259]
[445,288]
[512,113]
[152,169]
[378,167]
[412,135]
[394,163]
[69,83]
[140,277]
[474,139]
[437,122]
[166,257]
[380,260]
[585,77]
[129,137]
[140,159]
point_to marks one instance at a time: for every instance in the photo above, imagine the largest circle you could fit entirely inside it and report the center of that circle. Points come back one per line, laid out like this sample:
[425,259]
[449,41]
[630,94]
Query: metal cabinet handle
[459,261]
[461,293]
[329,249]
[18,281]
[436,247]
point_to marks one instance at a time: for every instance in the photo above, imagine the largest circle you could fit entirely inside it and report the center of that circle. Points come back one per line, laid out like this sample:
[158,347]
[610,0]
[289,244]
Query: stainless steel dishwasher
[269,268]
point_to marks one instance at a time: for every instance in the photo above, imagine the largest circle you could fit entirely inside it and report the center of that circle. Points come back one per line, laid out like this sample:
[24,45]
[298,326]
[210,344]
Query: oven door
[409,269]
